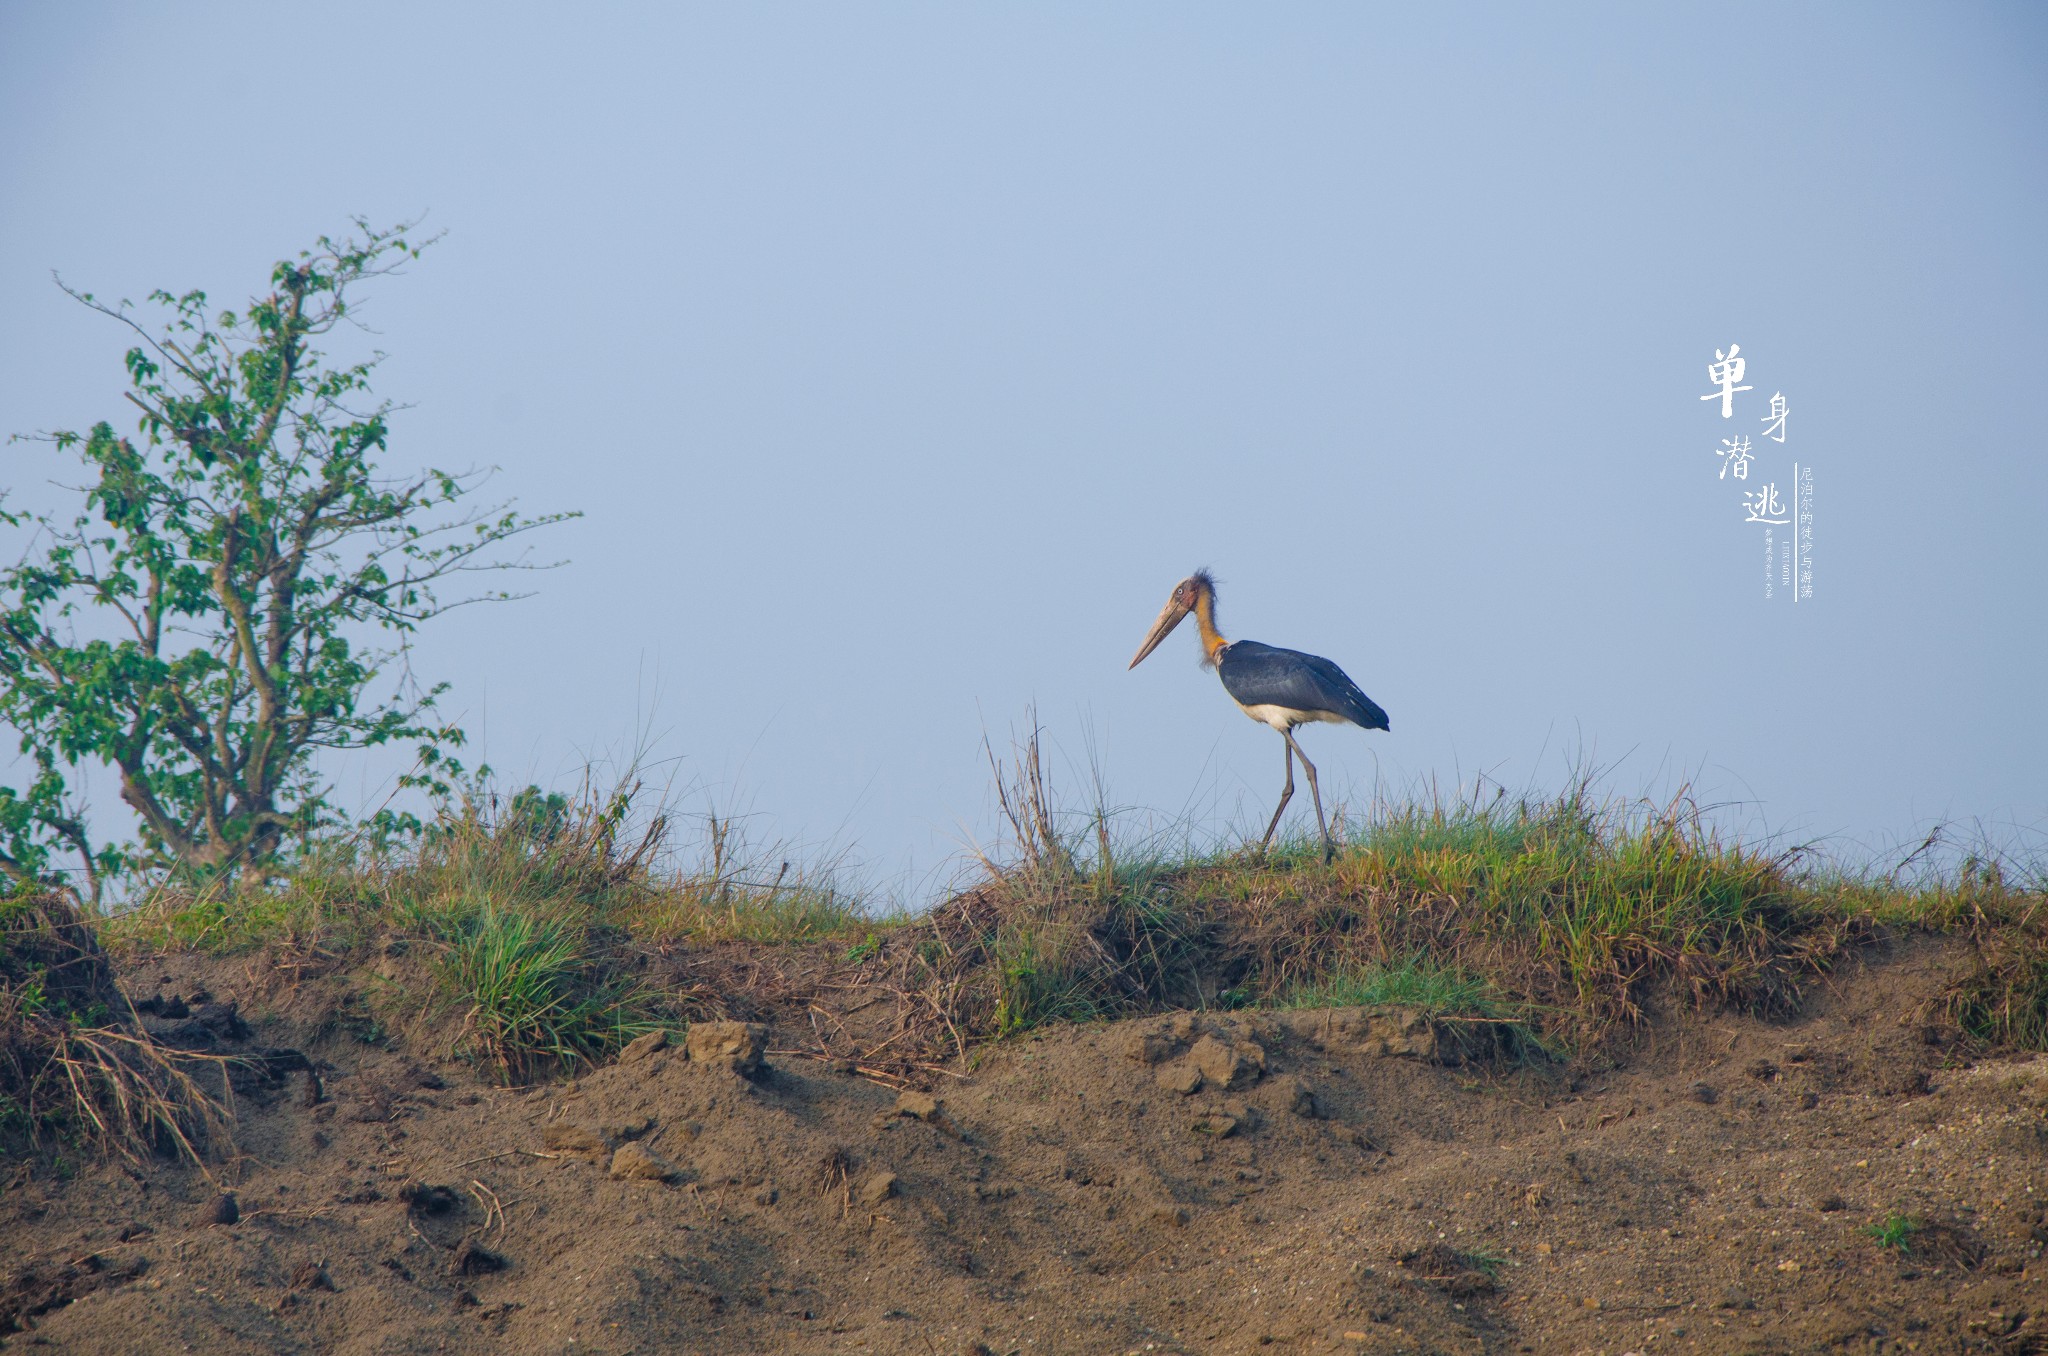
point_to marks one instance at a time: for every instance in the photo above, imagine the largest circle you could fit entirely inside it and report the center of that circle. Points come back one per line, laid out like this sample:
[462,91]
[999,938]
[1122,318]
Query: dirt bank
[1183,1183]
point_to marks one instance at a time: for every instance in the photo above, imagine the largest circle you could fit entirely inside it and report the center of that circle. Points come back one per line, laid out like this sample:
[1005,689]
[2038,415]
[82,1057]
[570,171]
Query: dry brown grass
[76,1070]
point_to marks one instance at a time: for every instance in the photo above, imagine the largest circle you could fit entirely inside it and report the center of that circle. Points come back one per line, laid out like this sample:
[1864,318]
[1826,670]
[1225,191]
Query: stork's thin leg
[1329,848]
[1286,794]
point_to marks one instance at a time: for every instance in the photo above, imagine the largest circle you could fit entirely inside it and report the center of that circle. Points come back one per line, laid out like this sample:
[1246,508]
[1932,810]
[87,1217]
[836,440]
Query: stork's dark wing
[1265,675]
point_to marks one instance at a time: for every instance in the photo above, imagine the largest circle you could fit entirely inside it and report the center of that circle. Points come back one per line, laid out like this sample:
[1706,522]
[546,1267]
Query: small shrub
[1942,1242]
[1488,1262]
[537,1001]
[1895,1232]
[2003,1000]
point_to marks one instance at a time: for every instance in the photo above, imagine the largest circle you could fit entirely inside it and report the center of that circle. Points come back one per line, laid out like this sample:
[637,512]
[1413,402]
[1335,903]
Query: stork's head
[1196,591]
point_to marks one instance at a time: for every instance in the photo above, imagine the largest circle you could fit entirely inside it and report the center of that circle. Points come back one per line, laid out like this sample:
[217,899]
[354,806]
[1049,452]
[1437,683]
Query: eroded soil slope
[1283,1182]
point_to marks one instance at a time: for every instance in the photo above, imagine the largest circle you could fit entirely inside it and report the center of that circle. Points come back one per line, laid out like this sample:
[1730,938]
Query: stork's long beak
[1169,617]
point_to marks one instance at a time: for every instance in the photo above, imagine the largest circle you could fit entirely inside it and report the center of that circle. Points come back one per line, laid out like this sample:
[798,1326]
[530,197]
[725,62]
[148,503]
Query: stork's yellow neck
[1205,618]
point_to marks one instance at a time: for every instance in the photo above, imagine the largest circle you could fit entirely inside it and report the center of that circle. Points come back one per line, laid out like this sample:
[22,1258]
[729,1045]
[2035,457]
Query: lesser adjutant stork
[1280,688]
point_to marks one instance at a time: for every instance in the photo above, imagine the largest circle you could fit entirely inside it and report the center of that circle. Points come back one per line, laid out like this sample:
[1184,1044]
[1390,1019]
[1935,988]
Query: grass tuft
[543,910]
[1895,1232]
[1433,988]
[1568,918]
[2003,1000]
[537,1001]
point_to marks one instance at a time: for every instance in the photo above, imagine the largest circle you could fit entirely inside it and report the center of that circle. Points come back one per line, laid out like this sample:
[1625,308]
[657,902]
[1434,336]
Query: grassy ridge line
[1564,915]
[532,912]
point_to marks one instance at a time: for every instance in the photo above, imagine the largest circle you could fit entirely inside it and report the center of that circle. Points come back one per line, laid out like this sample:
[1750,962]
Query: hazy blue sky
[903,357]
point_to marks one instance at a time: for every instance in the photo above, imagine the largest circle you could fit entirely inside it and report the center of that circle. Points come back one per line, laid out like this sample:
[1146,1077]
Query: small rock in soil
[1262,1027]
[877,1187]
[1291,1094]
[1829,1202]
[1405,1033]
[223,1209]
[567,1137]
[930,1110]
[638,1163]
[1181,1076]
[422,1199]
[1226,1063]
[1150,1047]
[922,1105]
[1169,1214]
[735,1046]
[643,1047]
[1704,1094]
[474,1259]
[311,1276]
[223,1019]
[633,1127]
[1451,1270]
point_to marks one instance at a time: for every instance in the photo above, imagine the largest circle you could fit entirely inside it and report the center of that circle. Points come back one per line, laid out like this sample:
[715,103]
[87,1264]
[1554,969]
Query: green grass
[536,913]
[596,860]
[1419,982]
[537,1001]
[1572,916]
[1487,1263]
[1560,905]
[1569,918]
[705,912]
[1895,1232]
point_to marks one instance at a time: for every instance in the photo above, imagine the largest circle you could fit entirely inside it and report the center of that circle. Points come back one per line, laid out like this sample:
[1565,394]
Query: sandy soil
[1317,1192]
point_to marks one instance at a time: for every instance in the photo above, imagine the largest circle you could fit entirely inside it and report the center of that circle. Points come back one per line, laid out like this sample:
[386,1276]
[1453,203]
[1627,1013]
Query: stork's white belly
[1282,717]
